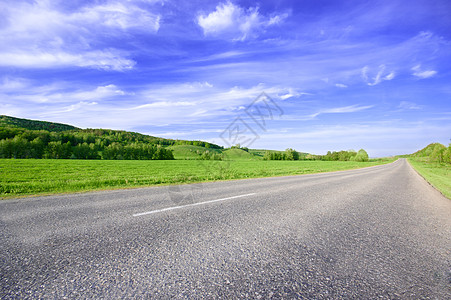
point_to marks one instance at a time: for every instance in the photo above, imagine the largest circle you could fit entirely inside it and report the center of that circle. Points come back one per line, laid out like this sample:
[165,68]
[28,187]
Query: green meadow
[24,177]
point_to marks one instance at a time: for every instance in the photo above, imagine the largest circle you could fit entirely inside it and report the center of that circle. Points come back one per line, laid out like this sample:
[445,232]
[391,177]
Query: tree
[447,155]
[20,148]
[267,155]
[291,154]
[6,148]
[361,156]
[437,153]
[37,148]
[58,150]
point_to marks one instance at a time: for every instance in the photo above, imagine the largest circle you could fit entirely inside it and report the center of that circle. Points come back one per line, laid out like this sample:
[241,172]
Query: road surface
[379,232]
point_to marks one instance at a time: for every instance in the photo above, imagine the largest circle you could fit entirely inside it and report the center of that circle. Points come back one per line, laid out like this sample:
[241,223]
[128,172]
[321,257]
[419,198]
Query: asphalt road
[379,232]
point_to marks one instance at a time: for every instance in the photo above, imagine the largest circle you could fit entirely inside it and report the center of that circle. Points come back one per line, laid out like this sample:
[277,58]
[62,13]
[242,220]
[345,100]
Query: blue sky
[346,74]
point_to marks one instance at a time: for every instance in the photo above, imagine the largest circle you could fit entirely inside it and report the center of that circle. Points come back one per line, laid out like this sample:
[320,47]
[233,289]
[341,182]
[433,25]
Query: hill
[434,152]
[6,121]
[239,154]
[429,150]
[191,151]
[22,138]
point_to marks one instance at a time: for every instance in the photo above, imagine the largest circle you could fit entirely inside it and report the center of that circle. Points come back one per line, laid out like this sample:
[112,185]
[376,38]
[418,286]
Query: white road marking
[188,205]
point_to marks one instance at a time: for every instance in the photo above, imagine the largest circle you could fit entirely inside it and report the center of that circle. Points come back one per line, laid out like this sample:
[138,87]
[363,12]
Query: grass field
[20,177]
[439,175]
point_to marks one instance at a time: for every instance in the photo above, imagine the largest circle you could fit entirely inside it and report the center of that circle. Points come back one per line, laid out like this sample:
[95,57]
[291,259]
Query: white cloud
[111,106]
[286,96]
[101,92]
[40,35]
[290,93]
[57,94]
[379,76]
[105,60]
[406,105]
[422,74]
[341,85]
[234,22]
[277,19]
[13,84]
[116,15]
[164,104]
[77,106]
[390,76]
[340,110]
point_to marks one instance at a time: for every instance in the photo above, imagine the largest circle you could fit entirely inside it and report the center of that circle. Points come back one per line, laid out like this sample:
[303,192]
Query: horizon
[341,75]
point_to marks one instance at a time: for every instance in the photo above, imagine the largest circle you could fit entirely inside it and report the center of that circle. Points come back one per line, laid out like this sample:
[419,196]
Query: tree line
[19,147]
[291,154]
[288,154]
[83,144]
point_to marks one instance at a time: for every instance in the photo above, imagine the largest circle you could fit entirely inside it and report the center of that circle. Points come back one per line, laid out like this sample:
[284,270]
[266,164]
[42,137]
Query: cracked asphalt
[379,232]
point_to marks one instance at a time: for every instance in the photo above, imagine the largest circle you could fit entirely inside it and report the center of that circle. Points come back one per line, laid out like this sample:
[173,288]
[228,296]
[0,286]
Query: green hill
[191,151]
[258,152]
[6,121]
[238,154]
[22,138]
[429,150]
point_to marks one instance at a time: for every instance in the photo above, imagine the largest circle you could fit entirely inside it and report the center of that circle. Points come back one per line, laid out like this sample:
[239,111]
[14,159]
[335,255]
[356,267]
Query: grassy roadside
[439,175]
[22,177]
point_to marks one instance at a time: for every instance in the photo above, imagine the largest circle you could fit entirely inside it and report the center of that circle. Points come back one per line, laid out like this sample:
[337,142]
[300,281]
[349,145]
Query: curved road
[379,232]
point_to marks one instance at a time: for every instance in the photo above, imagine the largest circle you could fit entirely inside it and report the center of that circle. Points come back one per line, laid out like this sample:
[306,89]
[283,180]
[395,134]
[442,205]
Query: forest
[290,154]
[21,138]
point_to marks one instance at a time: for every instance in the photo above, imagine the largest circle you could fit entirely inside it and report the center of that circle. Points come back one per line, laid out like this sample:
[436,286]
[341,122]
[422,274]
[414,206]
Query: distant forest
[291,154]
[21,138]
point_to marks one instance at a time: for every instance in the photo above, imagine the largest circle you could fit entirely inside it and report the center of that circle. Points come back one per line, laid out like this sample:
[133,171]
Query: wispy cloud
[380,76]
[118,15]
[234,22]
[340,110]
[406,105]
[422,74]
[152,105]
[56,94]
[105,60]
[39,35]
[341,85]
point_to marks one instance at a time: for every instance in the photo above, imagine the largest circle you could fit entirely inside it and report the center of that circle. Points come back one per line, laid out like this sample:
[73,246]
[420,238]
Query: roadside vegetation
[434,164]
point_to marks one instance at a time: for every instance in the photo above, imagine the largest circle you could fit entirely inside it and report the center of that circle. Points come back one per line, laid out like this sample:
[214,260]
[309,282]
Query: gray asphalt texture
[379,232]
